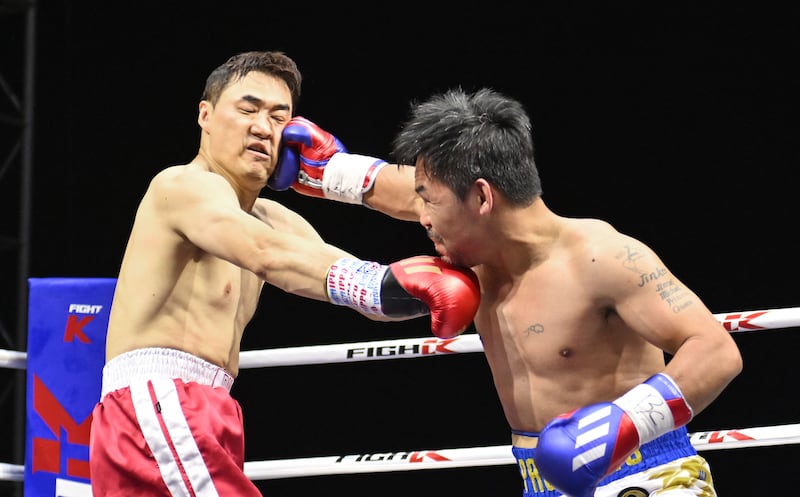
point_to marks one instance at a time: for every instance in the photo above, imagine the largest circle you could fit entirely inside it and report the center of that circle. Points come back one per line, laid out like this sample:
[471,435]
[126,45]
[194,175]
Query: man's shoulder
[595,241]
[589,232]
[185,176]
[166,174]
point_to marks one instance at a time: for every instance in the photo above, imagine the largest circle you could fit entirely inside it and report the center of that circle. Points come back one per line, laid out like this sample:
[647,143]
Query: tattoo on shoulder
[630,257]
[670,292]
[674,294]
[536,328]
[646,278]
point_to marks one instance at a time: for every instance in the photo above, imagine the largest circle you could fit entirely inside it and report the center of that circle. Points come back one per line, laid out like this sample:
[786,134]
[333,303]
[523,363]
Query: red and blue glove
[315,163]
[576,450]
[409,288]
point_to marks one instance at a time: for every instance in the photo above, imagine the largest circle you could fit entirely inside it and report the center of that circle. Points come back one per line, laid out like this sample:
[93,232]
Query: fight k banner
[67,321]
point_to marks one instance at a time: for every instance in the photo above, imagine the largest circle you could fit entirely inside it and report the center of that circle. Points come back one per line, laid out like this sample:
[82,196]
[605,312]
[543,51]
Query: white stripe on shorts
[177,430]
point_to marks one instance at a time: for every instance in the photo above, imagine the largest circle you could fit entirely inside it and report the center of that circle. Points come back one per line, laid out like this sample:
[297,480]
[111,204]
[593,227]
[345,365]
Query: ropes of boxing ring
[734,322]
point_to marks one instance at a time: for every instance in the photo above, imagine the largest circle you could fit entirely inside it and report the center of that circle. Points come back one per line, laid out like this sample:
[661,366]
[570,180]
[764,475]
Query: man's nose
[424,219]
[262,126]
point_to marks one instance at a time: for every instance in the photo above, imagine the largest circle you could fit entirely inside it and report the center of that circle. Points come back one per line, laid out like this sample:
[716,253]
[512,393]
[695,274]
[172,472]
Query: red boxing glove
[315,163]
[408,288]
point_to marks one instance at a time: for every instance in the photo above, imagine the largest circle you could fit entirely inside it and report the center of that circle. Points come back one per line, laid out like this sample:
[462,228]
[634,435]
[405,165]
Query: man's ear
[202,113]
[484,196]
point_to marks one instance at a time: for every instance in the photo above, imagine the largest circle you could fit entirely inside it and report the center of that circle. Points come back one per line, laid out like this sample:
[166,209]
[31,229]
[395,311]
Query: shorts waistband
[526,439]
[155,362]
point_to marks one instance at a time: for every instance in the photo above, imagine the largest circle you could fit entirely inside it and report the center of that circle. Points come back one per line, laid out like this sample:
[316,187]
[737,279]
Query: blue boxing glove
[285,173]
[576,450]
[301,135]
[315,163]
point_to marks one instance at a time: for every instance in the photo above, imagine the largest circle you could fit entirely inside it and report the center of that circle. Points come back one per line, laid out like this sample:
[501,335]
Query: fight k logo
[84,314]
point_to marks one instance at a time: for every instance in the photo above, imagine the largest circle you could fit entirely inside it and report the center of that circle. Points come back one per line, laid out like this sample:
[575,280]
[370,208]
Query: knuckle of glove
[315,143]
[296,134]
[286,170]
[459,302]
[557,449]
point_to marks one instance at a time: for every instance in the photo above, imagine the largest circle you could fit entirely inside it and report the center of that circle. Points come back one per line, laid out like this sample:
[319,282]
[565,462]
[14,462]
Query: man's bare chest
[539,319]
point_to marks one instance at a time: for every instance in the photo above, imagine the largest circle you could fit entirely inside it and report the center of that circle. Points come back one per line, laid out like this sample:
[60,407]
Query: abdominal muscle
[199,305]
[551,355]
[538,382]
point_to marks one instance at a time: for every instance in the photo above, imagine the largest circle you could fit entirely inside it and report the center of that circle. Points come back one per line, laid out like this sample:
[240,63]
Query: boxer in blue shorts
[577,319]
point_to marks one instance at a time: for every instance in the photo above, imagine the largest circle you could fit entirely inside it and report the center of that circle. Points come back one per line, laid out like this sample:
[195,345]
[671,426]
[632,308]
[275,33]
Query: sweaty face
[443,216]
[242,132]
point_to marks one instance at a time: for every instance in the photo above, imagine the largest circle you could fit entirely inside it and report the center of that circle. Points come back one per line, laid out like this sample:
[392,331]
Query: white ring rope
[734,322]
[13,359]
[448,458]
[382,462]
[12,472]
[485,456]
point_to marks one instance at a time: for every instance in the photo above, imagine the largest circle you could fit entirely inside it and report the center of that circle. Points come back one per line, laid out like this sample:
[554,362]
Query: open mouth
[259,149]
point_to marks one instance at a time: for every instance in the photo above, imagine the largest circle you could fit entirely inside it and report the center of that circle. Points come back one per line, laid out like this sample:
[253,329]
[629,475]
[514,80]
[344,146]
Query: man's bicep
[197,207]
[661,308]
[285,220]
[644,292]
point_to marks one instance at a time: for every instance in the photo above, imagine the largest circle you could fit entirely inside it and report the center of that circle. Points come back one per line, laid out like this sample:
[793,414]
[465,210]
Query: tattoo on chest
[537,328]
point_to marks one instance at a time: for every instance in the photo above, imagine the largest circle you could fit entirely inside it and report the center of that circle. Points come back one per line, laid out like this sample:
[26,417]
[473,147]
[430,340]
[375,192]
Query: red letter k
[75,328]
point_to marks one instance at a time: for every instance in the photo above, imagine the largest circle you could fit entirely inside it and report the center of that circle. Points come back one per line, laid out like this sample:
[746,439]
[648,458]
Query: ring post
[67,322]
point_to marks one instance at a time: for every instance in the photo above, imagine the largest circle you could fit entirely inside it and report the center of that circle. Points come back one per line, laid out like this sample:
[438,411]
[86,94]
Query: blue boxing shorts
[669,464]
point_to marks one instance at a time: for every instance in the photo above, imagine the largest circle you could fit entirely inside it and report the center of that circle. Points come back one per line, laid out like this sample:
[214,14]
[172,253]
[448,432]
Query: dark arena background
[678,125]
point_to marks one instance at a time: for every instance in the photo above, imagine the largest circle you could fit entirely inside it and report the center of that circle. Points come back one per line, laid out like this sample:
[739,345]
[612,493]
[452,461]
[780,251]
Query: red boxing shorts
[167,425]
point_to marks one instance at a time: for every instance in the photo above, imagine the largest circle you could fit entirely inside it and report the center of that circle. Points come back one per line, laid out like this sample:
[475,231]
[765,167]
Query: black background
[679,126]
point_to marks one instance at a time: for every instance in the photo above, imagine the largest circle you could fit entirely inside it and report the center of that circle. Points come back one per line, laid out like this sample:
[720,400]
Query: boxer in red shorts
[202,245]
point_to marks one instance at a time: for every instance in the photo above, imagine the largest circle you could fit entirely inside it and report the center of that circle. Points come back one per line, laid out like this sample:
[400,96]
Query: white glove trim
[356,284]
[348,176]
[649,410]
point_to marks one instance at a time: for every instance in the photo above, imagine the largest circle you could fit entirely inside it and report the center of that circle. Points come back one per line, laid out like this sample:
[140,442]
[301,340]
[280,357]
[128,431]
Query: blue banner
[67,322]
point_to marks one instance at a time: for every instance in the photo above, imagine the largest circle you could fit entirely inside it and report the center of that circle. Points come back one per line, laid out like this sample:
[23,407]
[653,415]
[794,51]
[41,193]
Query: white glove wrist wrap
[356,284]
[650,412]
[348,176]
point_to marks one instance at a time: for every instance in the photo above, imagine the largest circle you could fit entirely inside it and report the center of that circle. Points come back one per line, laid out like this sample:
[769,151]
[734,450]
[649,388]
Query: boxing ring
[66,343]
